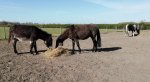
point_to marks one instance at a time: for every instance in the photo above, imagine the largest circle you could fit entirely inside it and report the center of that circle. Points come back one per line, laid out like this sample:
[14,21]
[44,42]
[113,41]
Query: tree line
[144,25]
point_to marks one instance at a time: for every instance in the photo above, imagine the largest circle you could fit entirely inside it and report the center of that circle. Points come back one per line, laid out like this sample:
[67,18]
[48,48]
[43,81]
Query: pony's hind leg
[14,46]
[31,46]
[73,45]
[78,44]
[94,44]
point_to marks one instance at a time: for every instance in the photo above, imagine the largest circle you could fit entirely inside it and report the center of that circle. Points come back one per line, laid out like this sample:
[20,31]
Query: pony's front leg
[14,46]
[133,34]
[128,32]
[73,45]
[35,47]
[78,44]
[31,46]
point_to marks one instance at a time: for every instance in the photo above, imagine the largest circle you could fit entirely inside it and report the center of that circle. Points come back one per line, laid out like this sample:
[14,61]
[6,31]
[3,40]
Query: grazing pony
[80,32]
[31,33]
[133,28]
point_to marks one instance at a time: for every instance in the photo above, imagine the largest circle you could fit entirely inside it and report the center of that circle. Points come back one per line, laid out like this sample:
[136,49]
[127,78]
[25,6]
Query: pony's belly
[21,38]
[82,38]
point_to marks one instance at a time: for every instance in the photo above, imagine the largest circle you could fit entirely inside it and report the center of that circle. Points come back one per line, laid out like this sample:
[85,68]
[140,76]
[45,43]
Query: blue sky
[75,11]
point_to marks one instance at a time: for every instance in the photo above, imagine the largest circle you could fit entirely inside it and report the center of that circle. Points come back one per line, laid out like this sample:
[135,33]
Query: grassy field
[53,31]
[2,32]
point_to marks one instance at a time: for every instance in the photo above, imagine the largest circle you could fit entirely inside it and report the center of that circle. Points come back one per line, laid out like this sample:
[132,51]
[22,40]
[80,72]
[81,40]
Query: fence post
[106,29]
[4,32]
[60,30]
[116,28]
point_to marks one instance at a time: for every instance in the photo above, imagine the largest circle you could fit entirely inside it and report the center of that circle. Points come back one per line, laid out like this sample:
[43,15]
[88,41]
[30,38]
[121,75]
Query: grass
[2,32]
[53,31]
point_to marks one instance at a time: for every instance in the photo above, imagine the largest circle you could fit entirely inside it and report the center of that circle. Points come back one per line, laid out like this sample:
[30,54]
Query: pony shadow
[29,52]
[101,49]
[109,49]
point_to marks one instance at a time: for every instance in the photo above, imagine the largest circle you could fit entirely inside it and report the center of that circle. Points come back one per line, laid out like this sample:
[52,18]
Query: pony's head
[59,42]
[49,41]
[62,37]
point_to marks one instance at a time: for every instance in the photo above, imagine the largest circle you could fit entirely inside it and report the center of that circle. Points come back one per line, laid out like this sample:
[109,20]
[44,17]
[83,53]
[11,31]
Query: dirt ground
[122,59]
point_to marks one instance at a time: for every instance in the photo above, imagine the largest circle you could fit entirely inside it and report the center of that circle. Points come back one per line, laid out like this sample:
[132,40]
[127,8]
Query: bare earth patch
[121,59]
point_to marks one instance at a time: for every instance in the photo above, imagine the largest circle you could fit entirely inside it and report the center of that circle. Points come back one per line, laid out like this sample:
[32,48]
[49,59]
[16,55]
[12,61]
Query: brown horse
[80,32]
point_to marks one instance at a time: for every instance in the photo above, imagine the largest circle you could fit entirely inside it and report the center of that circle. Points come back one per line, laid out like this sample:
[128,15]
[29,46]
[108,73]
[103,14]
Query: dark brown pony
[31,33]
[80,32]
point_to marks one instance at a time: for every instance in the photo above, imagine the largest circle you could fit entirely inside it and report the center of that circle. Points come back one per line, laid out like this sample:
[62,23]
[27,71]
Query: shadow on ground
[99,50]
[29,52]
[102,49]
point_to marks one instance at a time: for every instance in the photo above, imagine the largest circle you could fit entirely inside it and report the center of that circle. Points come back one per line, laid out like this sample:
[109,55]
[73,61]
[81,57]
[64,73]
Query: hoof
[31,52]
[36,53]
[16,52]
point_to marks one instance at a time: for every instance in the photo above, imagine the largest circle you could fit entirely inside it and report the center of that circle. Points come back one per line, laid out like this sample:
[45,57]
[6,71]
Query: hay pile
[55,52]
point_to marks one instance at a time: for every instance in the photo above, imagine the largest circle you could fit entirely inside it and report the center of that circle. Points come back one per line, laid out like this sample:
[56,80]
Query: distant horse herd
[73,32]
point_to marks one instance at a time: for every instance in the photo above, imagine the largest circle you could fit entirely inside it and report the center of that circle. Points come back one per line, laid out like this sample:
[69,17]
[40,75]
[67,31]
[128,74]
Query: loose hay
[55,52]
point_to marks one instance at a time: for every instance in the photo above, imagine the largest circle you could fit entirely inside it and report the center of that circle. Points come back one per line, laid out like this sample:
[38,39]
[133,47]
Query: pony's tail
[126,29]
[138,29]
[98,38]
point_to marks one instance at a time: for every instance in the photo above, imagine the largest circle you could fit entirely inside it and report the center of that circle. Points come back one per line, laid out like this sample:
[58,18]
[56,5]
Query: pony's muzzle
[60,44]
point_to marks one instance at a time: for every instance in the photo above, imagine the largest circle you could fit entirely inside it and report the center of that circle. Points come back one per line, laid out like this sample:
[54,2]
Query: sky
[75,11]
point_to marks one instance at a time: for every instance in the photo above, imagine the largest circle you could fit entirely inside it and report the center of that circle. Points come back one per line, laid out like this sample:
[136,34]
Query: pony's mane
[42,31]
[64,35]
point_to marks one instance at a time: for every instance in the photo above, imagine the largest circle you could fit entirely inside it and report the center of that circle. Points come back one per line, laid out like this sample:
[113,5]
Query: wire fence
[4,31]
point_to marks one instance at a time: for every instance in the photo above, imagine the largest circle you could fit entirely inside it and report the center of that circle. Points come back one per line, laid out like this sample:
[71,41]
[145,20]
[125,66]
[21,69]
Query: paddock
[122,59]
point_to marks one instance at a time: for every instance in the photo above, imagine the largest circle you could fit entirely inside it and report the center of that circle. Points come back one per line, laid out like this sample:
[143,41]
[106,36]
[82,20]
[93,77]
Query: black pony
[133,28]
[80,32]
[31,33]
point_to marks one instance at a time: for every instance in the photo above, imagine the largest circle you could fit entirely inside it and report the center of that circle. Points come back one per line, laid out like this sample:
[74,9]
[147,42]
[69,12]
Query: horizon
[75,11]
[70,23]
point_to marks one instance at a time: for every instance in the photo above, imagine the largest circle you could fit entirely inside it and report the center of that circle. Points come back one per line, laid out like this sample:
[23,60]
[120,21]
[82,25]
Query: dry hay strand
[55,52]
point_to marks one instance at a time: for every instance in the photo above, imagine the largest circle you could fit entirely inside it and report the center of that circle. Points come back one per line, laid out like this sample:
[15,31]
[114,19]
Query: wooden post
[116,29]
[60,30]
[4,32]
[106,29]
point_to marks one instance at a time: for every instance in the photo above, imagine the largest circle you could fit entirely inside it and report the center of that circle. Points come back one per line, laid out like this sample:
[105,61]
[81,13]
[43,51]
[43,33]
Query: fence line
[54,31]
